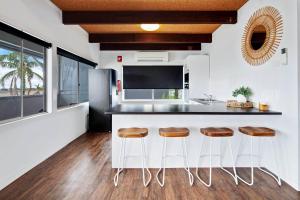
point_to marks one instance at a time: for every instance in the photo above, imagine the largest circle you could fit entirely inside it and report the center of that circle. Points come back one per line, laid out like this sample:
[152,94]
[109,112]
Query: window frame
[90,65]
[12,47]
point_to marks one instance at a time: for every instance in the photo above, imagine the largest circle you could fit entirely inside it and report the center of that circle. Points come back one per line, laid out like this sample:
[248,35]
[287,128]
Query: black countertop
[185,109]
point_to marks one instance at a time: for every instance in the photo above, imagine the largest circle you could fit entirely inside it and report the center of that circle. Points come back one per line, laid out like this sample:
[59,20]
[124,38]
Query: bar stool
[125,133]
[210,133]
[261,132]
[173,132]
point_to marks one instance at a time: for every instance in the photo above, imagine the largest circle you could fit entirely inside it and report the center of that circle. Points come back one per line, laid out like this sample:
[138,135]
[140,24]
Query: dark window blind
[153,77]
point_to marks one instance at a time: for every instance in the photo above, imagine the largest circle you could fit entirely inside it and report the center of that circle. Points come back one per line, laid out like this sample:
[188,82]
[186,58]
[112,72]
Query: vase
[241,98]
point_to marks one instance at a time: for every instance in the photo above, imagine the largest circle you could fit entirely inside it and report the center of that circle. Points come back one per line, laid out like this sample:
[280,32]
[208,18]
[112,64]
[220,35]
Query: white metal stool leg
[163,164]
[252,167]
[278,180]
[185,157]
[143,162]
[121,158]
[234,175]
[210,165]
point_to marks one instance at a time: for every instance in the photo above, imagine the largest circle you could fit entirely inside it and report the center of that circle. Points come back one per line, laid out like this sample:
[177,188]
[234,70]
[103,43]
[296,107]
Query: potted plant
[242,94]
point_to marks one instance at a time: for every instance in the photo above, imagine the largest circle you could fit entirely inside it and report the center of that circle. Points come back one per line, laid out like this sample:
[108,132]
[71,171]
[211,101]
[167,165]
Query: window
[83,82]
[73,79]
[138,94]
[157,82]
[22,77]
[167,94]
[68,82]
[153,94]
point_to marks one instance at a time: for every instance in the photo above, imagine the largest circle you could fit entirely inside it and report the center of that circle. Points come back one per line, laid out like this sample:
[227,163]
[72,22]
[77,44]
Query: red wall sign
[120,58]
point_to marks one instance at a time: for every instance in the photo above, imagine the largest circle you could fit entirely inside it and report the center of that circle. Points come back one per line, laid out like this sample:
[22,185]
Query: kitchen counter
[186,109]
[192,116]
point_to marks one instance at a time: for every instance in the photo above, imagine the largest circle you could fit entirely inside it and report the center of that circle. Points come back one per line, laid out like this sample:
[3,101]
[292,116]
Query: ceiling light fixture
[150,27]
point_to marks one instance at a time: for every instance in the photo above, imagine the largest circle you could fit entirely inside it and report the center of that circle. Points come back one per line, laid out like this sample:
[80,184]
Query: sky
[3,51]
[4,70]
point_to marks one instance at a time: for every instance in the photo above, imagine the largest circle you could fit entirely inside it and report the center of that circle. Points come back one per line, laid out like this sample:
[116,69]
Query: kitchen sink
[206,101]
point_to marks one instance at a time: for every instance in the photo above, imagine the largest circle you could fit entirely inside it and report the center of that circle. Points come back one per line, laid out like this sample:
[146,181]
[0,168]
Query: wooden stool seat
[217,132]
[132,132]
[174,132]
[257,131]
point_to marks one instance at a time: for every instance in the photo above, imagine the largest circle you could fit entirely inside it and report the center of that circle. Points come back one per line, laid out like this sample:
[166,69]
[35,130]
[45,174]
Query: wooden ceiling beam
[149,38]
[139,17]
[149,46]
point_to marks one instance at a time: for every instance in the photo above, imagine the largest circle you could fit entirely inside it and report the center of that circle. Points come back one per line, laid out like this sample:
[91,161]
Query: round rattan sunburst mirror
[262,35]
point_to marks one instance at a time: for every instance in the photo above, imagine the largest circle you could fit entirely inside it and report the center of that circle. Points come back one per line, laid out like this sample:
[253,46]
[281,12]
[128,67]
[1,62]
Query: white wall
[26,143]
[198,67]
[108,59]
[271,82]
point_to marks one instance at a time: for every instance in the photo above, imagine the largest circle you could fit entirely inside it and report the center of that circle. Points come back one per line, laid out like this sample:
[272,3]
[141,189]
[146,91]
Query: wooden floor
[82,170]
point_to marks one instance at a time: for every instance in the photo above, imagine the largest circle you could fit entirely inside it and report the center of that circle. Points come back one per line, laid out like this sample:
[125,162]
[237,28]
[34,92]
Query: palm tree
[23,73]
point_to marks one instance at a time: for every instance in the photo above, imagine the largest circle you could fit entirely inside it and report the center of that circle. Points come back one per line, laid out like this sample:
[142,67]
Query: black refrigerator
[102,96]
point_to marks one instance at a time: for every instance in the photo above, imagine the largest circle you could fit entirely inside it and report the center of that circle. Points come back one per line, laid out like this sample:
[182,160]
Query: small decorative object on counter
[248,104]
[242,94]
[263,107]
[231,103]
[236,104]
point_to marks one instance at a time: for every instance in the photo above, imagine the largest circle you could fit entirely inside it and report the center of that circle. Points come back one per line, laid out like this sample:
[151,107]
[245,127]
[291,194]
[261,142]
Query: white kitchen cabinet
[198,68]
